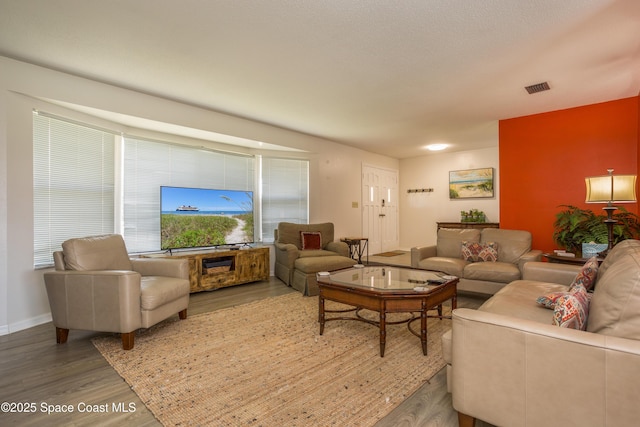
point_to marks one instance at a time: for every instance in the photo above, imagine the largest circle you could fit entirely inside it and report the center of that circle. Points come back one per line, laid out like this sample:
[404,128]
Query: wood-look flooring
[36,370]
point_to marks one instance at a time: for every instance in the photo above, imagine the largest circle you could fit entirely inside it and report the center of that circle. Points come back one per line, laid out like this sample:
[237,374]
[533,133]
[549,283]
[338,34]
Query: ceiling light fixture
[437,147]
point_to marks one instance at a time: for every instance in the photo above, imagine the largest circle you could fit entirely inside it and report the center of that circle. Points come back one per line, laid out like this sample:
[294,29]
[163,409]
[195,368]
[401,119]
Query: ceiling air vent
[539,87]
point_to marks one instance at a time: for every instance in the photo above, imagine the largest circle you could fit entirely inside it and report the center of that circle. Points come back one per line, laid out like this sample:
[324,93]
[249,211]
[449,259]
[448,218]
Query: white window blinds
[285,193]
[88,182]
[73,188]
[148,165]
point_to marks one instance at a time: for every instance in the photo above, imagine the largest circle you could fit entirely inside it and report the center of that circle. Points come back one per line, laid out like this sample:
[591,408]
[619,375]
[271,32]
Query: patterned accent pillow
[471,251]
[489,252]
[572,309]
[478,252]
[585,278]
[311,240]
[587,275]
[549,300]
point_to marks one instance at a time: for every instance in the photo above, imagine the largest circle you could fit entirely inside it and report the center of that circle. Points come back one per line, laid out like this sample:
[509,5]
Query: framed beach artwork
[471,183]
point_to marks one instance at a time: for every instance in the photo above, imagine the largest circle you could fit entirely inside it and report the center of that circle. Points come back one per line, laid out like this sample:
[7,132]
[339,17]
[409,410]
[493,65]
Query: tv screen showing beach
[201,217]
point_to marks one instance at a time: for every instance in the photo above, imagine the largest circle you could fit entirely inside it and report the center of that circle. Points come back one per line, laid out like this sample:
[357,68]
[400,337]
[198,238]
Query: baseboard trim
[25,324]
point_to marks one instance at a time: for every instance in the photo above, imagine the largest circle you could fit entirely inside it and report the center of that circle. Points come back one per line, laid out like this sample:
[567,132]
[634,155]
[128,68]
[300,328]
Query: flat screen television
[203,217]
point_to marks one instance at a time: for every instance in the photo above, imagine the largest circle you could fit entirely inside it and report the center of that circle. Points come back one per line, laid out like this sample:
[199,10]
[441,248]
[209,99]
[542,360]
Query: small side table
[568,260]
[357,247]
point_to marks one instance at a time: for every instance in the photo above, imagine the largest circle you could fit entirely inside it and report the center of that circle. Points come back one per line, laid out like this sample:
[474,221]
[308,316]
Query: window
[90,181]
[285,194]
[149,164]
[73,184]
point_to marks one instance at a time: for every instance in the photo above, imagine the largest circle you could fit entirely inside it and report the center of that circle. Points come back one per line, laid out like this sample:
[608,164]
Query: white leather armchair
[97,287]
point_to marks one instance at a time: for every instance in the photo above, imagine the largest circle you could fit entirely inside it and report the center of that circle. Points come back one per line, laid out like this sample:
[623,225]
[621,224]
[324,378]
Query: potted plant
[574,226]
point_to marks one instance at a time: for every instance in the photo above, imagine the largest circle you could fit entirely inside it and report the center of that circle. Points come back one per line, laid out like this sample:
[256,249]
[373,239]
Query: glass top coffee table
[386,290]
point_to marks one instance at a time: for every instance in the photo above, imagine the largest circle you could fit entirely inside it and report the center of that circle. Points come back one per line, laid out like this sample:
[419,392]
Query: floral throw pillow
[311,240]
[478,252]
[572,310]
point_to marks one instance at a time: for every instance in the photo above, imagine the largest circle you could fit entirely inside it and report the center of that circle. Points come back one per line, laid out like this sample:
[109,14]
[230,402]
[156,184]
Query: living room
[540,162]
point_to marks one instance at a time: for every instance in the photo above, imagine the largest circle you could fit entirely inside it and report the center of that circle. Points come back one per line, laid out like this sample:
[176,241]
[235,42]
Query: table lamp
[610,189]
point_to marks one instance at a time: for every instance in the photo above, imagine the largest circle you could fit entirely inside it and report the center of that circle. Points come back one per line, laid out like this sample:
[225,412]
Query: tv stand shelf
[219,268]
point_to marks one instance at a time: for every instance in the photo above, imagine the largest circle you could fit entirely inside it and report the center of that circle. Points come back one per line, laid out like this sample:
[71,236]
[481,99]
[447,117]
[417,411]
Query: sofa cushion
[309,265]
[615,305]
[449,242]
[512,244]
[107,252]
[518,298]
[501,272]
[289,232]
[618,251]
[479,252]
[311,240]
[309,253]
[452,266]
[572,309]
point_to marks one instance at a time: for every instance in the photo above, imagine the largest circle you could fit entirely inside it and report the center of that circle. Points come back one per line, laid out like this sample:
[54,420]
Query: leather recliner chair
[97,287]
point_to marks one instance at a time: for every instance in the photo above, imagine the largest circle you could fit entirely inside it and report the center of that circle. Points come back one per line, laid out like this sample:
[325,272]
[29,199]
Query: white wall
[419,212]
[335,169]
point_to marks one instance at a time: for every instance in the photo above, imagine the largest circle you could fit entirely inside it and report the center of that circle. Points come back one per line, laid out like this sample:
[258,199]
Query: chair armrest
[286,253]
[341,248]
[178,268]
[419,253]
[550,272]
[109,300]
[504,372]
[532,255]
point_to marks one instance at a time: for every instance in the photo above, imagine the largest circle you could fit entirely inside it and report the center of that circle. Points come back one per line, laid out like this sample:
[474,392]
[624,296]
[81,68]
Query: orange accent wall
[544,159]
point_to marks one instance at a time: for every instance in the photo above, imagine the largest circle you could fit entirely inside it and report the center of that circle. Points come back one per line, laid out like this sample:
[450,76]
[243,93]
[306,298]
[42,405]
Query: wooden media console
[219,268]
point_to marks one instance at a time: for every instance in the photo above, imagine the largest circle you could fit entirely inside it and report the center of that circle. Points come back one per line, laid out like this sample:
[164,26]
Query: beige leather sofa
[96,287]
[513,247]
[297,267]
[510,366]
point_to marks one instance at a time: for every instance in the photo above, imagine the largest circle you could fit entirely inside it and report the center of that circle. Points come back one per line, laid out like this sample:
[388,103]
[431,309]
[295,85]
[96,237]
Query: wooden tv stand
[219,268]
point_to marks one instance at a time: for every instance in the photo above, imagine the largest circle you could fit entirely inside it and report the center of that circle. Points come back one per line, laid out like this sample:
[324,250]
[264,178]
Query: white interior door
[380,208]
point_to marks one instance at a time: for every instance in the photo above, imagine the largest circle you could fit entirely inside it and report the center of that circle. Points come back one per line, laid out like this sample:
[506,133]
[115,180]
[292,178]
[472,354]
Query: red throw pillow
[311,240]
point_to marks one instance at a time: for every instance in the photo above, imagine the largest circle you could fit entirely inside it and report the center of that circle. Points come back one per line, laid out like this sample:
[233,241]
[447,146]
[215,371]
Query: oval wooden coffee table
[385,290]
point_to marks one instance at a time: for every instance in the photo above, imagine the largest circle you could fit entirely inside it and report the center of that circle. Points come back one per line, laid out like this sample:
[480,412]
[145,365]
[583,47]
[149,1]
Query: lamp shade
[611,188]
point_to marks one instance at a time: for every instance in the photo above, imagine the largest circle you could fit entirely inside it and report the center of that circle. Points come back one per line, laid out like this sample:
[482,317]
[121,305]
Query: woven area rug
[265,364]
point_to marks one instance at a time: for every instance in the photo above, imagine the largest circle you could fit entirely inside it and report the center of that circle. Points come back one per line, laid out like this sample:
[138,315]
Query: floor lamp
[610,189]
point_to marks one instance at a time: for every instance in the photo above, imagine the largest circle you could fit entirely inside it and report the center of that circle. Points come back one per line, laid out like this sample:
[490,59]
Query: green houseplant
[574,226]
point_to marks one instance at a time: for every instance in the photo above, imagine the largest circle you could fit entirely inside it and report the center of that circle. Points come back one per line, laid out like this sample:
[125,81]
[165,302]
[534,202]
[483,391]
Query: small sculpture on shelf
[474,215]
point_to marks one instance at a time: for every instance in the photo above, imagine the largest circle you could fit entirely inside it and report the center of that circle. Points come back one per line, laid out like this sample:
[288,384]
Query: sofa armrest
[510,371]
[109,300]
[286,253]
[419,253]
[178,268]
[550,272]
[341,248]
[532,255]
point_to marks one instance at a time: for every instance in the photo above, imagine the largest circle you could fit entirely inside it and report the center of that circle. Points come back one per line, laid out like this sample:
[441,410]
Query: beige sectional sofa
[513,251]
[297,266]
[510,366]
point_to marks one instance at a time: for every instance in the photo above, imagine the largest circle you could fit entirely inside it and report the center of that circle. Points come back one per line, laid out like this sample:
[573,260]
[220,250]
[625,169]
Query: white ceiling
[385,76]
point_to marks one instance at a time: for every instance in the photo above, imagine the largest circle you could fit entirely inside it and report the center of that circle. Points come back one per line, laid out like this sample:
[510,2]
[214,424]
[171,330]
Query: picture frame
[471,184]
